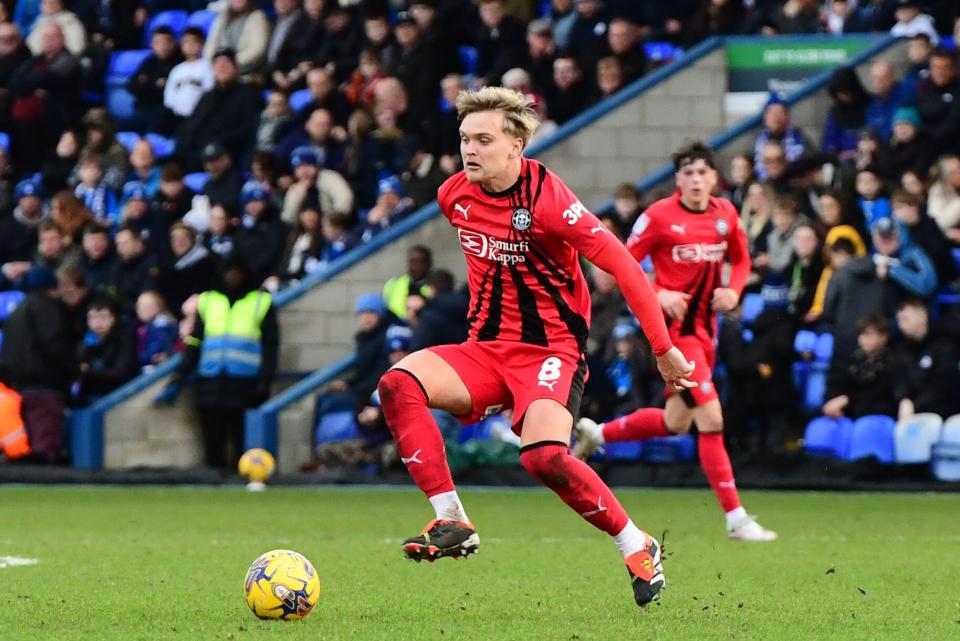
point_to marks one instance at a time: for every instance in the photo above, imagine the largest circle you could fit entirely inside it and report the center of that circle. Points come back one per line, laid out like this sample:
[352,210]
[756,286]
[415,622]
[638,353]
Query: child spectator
[627,203]
[805,269]
[98,261]
[156,330]
[219,236]
[391,206]
[107,356]
[630,371]
[784,219]
[136,208]
[925,233]
[190,79]
[273,121]
[873,203]
[337,242]
[303,251]
[95,194]
[927,376]
[865,383]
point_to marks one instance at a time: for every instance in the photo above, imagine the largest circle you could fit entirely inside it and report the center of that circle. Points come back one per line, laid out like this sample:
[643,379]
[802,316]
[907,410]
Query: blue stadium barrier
[669,449]
[162,147]
[176,19]
[196,181]
[624,451]
[872,436]
[300,99]
[827,436]
[128,139]
[913,438]
[5,142]
[202,19]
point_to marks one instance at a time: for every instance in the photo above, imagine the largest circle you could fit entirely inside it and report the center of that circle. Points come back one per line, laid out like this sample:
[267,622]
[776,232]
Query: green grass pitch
[168,563]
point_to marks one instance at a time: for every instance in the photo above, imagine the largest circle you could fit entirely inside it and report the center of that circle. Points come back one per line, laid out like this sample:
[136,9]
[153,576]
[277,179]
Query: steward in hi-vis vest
[233,351]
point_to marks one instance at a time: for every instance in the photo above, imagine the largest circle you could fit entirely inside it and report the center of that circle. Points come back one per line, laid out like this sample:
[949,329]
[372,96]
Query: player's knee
[545,462]
[397,384]
[710,425]
[675,426]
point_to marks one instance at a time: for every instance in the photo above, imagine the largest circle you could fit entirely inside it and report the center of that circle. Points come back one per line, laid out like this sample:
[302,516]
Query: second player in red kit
[689,237]
[522,232]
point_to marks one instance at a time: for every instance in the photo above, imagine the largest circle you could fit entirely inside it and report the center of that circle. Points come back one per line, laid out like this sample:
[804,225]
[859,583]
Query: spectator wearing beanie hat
[909,149]
[777,128]
[316,186]
[18,233]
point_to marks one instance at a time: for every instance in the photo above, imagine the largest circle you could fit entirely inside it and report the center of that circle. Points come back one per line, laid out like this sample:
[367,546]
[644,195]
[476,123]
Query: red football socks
[716,465]
[576,484]
[416,434]
[640,425]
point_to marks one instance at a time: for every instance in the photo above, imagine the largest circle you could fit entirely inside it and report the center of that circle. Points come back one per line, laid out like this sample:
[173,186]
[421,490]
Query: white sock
[447,505]
[631,539]
[735,515]
[600,427]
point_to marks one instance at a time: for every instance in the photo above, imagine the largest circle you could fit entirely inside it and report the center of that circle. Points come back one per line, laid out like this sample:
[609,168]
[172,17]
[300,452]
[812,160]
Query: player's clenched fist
[724,299]
[673,303]
[675,369]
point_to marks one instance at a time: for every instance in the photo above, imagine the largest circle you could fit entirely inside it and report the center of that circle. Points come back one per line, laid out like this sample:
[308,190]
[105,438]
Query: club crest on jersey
[522,219]
[723,228]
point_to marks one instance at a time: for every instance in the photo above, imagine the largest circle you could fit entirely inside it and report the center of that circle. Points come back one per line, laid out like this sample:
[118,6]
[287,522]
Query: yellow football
[257,465]
[282,584]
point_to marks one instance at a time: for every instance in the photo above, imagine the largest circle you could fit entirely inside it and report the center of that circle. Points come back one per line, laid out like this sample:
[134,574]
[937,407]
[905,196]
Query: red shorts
[503,375]
[703,355]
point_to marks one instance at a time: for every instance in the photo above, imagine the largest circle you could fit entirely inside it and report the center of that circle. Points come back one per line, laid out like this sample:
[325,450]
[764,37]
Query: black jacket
[371,357]
[37,352]
[927,374]
[939,109]
[145,84]
[261,246]
[225,114]
[17,241]
[501,49]
[191,274]
[99,272]
[868,382]
[110,363]
[930,238]
[442,321]
[225,188]
[234,392]
[135,276]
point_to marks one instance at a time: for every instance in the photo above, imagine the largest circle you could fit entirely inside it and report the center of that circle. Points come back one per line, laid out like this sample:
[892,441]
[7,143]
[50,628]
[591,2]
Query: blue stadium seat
[827,436]
[872,436]
[669,449]
[123,64]
[913,438]
[624,451]
[128,139]
[661,51]
[202,19]
[805,342]
[5,142]
[469,57]
[824,349]
[752,307]
[176,19]
[336,426]
[945,455]
[196,181]
[162,147]
[9,301]
[815,387]
[300,99]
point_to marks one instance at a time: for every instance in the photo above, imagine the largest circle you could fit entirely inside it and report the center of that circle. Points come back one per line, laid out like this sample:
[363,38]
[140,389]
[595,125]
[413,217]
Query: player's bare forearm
[614,259]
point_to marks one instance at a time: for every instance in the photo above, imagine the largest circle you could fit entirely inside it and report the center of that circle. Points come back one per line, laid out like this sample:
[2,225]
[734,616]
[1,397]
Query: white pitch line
[15,561]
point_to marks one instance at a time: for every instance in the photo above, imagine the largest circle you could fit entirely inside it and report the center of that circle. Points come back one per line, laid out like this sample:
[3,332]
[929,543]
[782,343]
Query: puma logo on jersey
[599,228]
[548,384]
[600,508]
[463,210]
[412,459]
[680,229]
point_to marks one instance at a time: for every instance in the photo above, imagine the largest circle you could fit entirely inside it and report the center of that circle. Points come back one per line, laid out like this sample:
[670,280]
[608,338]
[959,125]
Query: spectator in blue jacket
[156,330]
[887,96]
[98,197]
[848,115]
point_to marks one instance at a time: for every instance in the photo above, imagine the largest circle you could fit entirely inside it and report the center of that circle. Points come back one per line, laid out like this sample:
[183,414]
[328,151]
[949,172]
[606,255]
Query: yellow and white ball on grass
[282,584]
[257,465]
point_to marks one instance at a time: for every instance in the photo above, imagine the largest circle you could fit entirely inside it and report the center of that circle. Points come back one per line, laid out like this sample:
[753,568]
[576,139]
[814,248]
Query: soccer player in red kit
[689,236]
[522,232]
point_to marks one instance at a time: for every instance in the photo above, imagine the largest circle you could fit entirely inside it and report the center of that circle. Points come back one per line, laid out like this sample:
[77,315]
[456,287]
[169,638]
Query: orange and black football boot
[440,538]
[646,572]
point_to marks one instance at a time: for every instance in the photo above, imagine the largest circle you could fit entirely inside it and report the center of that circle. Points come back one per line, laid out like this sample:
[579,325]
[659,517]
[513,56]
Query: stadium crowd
[144,144]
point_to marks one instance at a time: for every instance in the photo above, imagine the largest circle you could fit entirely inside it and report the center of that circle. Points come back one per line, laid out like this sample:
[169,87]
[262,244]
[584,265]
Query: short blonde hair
[520,117]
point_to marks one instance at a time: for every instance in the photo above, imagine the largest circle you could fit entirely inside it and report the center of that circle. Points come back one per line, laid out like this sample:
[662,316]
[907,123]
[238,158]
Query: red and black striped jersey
[688,249]
[521,247]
